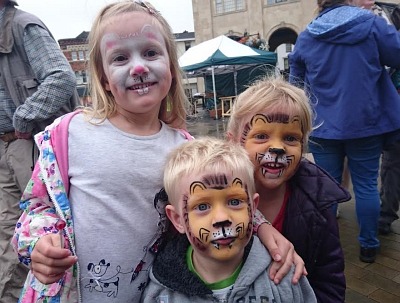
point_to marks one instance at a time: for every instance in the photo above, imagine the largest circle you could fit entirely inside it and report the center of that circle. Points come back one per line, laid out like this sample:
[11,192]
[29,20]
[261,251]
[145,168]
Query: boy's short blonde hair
[211,154]
[270,94]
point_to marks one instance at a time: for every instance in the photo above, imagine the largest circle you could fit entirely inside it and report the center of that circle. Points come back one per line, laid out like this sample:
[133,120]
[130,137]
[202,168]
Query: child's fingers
[47,279]
[48,270]
[282,250]
[49,260]
[300,269]
[50,247]
[280,269]
[275,253]
[48,266]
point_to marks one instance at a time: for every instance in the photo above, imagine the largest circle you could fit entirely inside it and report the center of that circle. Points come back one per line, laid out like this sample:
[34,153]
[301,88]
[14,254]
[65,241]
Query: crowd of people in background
[251,199]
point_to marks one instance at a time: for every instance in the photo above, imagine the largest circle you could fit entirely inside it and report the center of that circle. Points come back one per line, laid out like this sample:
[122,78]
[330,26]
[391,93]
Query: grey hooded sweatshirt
[171,281]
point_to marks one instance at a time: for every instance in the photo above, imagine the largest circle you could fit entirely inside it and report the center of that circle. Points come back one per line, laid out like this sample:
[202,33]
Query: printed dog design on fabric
[97,283]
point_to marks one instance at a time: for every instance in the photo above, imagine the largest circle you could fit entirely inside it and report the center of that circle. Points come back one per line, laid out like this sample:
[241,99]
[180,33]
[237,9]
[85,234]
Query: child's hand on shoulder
[282,253]
[280,269]
[49,260]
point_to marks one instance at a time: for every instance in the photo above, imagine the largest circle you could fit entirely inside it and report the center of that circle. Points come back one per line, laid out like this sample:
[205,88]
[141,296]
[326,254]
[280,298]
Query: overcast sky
[68,18]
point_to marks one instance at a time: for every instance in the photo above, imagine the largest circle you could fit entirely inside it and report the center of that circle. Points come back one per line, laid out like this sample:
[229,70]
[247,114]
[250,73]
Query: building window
[188,44]
[79,78]
[288,48]
[84,78]
[228,6]
[87,54]
[285,63]
[81,55]
[74,56]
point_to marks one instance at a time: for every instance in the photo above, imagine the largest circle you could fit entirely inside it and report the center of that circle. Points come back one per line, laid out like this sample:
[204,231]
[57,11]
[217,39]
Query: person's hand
[49,260]
[281,266]
[282,252]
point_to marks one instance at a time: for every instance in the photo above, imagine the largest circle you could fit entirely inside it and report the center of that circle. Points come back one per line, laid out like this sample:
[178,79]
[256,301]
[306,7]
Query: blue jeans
[363,156]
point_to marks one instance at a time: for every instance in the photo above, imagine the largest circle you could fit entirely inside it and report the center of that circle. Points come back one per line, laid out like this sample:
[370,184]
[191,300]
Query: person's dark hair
[323,4]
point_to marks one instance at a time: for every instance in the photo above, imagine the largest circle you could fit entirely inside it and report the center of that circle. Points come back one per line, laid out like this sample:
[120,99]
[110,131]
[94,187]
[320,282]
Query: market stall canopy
[222,55]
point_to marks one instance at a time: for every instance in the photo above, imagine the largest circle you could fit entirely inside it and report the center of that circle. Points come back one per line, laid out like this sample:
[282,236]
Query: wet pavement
[201,124]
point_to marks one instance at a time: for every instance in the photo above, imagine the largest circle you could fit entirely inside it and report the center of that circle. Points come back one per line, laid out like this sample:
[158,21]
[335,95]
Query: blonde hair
[173,106]
[206,153]
[270,94]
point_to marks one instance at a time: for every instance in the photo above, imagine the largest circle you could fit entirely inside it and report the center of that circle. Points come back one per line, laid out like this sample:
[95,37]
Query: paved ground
[366,283]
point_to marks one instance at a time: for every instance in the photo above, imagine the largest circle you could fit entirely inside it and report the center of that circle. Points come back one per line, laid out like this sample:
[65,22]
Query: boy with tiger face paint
[215,212]
[272,120]
[210,185]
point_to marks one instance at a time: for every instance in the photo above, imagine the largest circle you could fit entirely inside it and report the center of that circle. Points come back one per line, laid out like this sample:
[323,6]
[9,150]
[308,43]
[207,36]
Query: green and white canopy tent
[222,55]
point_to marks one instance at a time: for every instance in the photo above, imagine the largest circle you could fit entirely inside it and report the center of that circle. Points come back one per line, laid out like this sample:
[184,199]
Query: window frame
[81,55]
[278,2]
[222,7]
[74,55]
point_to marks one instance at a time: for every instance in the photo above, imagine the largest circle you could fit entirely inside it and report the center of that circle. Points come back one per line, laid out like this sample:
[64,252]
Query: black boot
[368,255]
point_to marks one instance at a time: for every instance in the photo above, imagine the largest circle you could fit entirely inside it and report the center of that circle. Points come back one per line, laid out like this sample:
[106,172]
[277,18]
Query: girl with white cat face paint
[136,64]
[135,74]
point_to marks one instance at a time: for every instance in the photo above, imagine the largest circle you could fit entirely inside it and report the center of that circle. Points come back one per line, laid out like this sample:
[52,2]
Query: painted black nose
[277,151]
[225,223]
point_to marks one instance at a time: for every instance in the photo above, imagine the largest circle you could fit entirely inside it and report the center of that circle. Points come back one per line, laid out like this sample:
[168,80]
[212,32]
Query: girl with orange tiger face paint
[274,142]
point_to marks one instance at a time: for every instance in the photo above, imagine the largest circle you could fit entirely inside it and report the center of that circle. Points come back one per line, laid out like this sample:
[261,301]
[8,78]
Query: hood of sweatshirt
[342,25]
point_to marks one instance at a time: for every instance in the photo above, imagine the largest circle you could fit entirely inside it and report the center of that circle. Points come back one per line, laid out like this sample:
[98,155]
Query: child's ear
[107,86]
[175,218]
[256,199]
[105,83]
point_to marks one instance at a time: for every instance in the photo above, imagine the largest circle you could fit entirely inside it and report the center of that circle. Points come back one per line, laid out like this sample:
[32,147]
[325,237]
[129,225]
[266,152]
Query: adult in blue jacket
[340,59]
